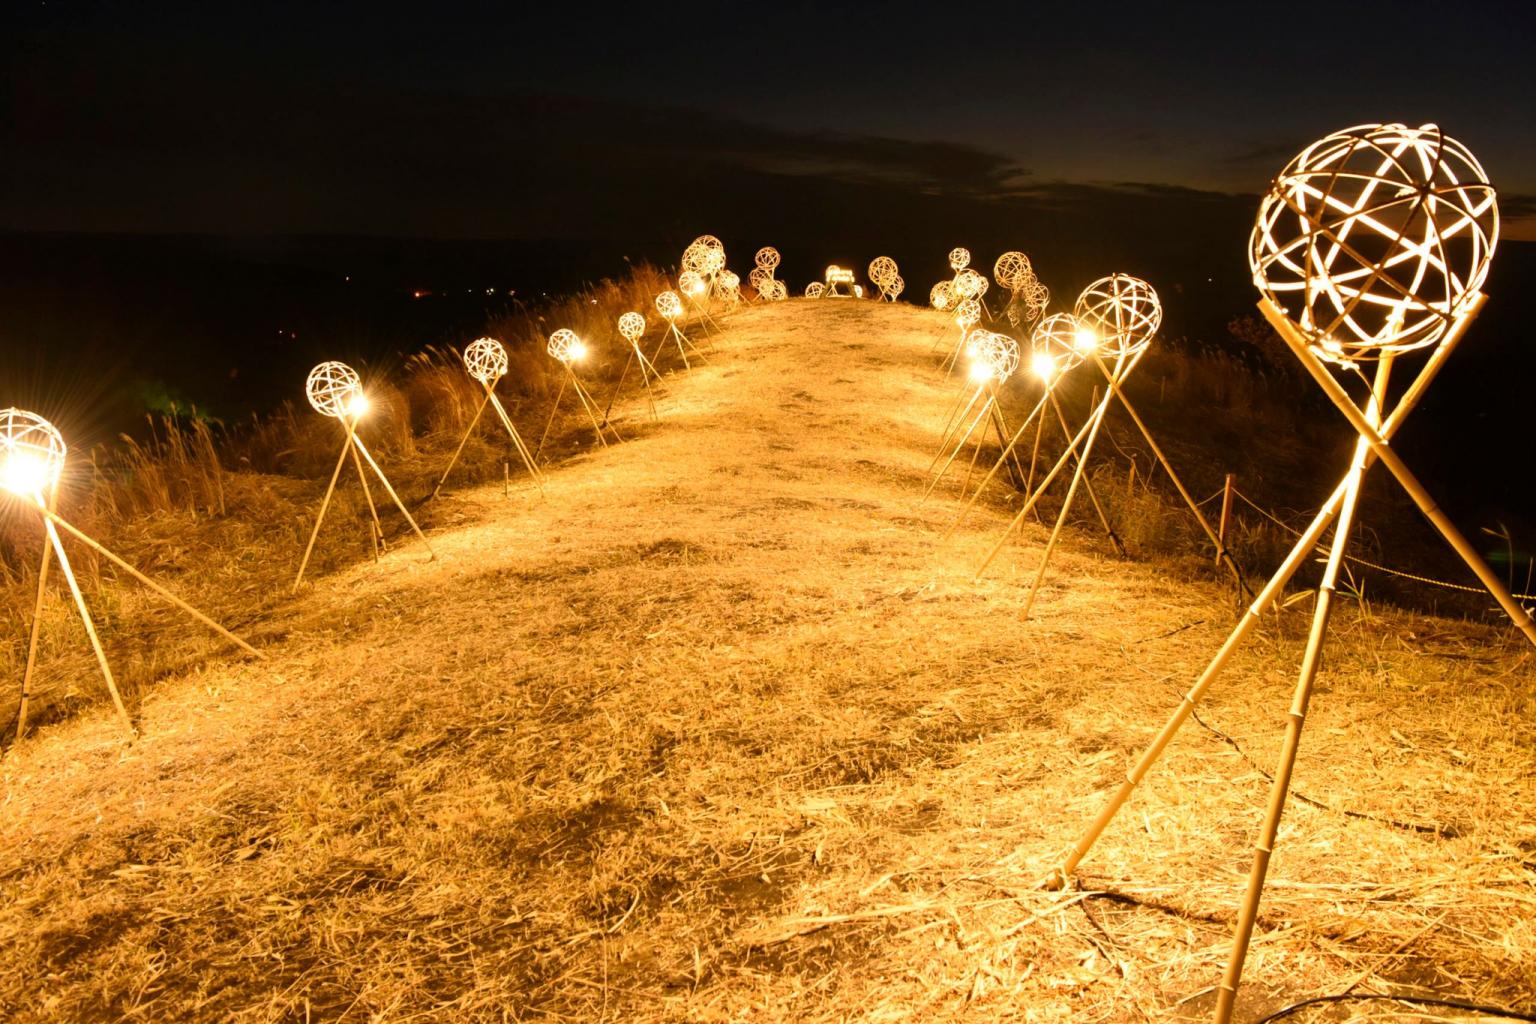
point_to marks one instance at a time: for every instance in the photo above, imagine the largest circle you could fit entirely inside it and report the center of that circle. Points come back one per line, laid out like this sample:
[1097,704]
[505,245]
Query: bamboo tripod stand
[1085,437]
[647,371]
[587,402]
[684,344]
[1375,428]
[354,444]
[991,414]
[53,548]
[506,421]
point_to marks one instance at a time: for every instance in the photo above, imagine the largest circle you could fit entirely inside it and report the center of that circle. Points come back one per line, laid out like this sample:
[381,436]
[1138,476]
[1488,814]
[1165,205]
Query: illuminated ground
[719,730]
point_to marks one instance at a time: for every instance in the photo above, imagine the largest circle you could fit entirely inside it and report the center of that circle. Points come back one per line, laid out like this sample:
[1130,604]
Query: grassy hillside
[719,728]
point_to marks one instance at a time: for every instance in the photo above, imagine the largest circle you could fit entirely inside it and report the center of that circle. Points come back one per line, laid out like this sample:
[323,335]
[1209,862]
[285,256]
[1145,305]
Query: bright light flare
[24,474]
[566,345]
[486,360]
[1085,340]
[359,405]
[31,453]
[335,389]
[1043,365]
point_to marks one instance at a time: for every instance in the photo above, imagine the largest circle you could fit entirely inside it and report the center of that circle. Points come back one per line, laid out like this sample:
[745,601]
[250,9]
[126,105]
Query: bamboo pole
[1222,554]
[1066,503]
[1250,618]
[85,617]
[551,421]
[1012,443]
[1227,487]
[325,503]
[37,623]
[390,488]
[1114,538]
[620,385]
[960,445]
[1000,427]
[1264,846]
[517,440]
[376,528]
[473,420]
[1400,470]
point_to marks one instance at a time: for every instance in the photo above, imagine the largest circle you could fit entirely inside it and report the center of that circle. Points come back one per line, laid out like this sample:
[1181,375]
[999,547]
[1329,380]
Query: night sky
[482,121]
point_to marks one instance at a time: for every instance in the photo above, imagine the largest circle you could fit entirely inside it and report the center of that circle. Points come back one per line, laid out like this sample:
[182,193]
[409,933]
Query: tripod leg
[953,426]
[591,409]
[517,442]
[390,488]
[462,441]
[620,385]
[959,447]
[551,421]
[1088,485]
[325,503]
[1012,443]
[1066,506]
[1226,995]
[677,336]
[1000,427]
[376,528]
[85,618]
[37,626]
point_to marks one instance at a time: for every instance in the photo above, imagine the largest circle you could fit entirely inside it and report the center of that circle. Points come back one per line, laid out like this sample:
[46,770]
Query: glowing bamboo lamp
[566,348]
[632,328]
[774,290]
[730,289]
[840,283]
[897,286]
[694,290]
[814,290]
[1372,243]
[959,258]
[335,390]
[32,455]
[671,309]
[883,274]
[486,361]
[941,296]
[994,358]
[1057,346]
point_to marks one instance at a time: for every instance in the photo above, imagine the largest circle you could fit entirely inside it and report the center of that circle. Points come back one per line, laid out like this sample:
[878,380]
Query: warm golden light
[1084,340]
[486,360]
[941,296]
[1012,270]
[959,258]
[970,285]
[669,305]
[839,275]
[767,257]
[814,290]
[994,356]
[1042,366]
[967,313]
[1375,239]
[566,346]
[692,283]
[31,453]
[1122,311]
[631,326]
[1061,343]
[334,389]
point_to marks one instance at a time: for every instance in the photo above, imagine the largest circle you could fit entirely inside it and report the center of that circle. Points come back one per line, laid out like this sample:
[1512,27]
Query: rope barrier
[1428,580]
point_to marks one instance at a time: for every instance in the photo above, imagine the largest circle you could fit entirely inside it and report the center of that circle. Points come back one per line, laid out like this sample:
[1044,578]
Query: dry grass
[718,730]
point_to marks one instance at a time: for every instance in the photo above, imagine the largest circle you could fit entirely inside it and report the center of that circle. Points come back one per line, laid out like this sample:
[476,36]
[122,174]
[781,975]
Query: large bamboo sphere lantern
[767,257]
[335,389]
[486,360]
[669,305]
[969,284]
[896,286]
[1058,344]
[882,270]
[730,280]
[1012,270]
[693,259]
[566,345]
[631,326]
[31,452]
[959,258]
[1123,313]
[815,290]
[691,283]
[994,357]
[1373,239]
[774,290]
[757,276]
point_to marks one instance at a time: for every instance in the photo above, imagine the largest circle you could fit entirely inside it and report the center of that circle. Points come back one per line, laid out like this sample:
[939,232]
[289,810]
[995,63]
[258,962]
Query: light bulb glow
[1042,365]
[1060,343]
[1122,311]
[631,326]
[486,360]
[566,346]
[31,452]
[669,305]
[959,258]
[359,405]
[1084,340]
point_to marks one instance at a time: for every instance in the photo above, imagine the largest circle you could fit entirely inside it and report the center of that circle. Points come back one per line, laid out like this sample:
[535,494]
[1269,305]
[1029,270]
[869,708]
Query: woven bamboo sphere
[941,296]
[969,284]
[694,258]
[967,313]
[814,290]
[896,287]
[1373,239]
[566,345]
[486,360]
[1057,345]
[994,356]
[333,388]
[882,270]
[631,326]
[730,280]
[669,305]
[775,291]
[31,452]
[690,283]
[1123,313]
[1011,270]
[959,258]
[767,257]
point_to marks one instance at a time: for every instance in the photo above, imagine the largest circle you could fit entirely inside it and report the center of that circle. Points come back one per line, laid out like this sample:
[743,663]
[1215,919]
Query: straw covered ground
[718,729]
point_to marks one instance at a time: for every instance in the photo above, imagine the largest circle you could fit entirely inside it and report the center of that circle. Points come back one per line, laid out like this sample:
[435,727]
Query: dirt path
[719,730]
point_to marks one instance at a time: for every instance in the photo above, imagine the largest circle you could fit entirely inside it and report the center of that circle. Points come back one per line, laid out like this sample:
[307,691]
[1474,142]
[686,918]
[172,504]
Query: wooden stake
[1227,488]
